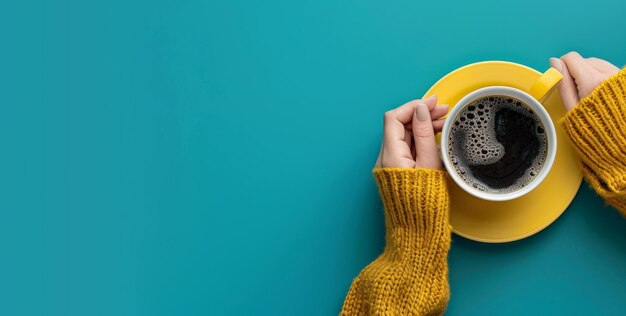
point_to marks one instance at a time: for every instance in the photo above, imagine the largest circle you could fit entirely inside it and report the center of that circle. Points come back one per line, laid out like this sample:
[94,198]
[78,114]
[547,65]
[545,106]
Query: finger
[567,86]
[396,151]
[408,139]
[431,101]
[436,114]
[577,65]
[426,155]
[602,65]
[438,125]
[439,111]
[395,121]
[411,143]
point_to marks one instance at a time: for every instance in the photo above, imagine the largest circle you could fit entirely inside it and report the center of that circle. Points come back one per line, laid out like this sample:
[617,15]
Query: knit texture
[410,277]
[597,128]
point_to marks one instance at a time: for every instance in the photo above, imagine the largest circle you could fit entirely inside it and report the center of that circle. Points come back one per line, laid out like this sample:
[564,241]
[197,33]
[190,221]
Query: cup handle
[541,89]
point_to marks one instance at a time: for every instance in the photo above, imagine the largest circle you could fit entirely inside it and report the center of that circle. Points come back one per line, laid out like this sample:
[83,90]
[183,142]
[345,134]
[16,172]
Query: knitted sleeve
[597,127]
[410,277]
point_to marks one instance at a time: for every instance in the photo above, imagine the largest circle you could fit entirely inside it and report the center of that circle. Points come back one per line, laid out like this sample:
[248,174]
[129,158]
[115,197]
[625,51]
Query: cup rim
[545,119]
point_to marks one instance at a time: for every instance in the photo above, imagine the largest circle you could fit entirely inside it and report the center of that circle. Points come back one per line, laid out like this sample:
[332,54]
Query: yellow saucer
[497,222]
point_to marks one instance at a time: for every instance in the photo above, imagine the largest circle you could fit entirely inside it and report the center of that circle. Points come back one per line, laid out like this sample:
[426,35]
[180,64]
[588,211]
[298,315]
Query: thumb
[567,86]
[426,154]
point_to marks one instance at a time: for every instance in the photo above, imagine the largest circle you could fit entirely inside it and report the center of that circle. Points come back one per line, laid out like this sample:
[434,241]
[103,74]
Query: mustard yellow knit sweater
[597,127]
[410,277]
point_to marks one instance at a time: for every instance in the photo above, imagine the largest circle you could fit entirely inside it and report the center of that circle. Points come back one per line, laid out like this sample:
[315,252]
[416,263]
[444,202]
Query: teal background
[214,157]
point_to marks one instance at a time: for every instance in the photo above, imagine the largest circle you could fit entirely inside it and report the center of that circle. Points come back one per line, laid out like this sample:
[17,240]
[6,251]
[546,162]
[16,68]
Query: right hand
[580,76]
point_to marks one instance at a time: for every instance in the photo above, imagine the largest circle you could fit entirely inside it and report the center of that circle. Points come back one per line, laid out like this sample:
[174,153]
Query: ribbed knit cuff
[597,127]
[416,199]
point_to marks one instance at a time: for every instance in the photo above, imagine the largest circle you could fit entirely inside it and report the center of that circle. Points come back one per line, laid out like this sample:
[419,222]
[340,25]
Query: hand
[409,135]
[580,76]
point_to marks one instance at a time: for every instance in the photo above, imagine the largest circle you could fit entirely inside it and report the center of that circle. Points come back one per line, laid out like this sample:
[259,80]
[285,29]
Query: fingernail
[422,112]
[556,63]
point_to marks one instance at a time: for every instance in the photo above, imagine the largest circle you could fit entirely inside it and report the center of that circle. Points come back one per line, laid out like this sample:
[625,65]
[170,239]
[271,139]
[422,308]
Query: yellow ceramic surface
[506,221]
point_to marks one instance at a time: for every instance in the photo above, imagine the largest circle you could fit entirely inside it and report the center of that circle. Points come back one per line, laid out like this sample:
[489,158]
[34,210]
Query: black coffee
[497,144]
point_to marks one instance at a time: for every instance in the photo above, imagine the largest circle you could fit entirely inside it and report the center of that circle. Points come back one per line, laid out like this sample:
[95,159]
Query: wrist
[413,197]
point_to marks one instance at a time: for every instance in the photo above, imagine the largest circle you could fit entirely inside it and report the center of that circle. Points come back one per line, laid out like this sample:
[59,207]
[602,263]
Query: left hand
[409,135]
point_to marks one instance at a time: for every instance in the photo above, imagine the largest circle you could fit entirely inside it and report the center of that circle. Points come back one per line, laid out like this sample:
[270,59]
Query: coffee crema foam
[497,144]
